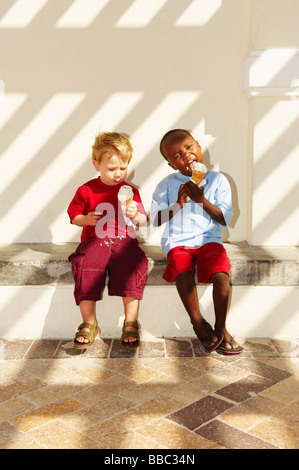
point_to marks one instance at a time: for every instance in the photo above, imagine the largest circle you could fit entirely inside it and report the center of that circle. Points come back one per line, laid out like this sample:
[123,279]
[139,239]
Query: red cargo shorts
[121,259]
[210,258]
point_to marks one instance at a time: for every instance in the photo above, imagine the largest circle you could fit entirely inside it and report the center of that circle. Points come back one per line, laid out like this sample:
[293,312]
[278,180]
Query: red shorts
[211,258]
[121,258]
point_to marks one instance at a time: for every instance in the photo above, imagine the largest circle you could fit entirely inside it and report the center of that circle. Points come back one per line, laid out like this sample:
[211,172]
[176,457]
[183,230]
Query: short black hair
[170,133]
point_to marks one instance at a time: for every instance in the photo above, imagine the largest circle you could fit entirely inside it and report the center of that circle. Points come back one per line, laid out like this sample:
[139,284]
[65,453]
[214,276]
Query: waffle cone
[197,176]
[129,201]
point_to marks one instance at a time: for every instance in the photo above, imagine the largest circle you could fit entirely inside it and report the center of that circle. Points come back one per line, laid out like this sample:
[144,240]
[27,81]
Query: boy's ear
[96,165]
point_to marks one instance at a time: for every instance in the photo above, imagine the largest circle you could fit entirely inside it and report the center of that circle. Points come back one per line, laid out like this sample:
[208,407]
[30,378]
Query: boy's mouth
[190,165]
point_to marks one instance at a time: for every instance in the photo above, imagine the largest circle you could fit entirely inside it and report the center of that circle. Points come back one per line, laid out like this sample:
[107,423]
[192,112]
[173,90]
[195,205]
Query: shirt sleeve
[77,205]
[159,201]
[223,198]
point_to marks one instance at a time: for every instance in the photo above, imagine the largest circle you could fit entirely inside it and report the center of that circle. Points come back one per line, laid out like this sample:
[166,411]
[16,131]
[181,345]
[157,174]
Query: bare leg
[187,291]
[87,309]
[131,306]
[221,296]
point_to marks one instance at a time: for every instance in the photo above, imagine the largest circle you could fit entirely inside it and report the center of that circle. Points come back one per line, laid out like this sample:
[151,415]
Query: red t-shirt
[98,196]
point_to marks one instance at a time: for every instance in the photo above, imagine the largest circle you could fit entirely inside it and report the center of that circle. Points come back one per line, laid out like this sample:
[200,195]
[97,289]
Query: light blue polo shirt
[191,226]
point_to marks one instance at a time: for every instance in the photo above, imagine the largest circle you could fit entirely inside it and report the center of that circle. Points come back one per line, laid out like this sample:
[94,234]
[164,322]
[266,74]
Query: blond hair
[111,142]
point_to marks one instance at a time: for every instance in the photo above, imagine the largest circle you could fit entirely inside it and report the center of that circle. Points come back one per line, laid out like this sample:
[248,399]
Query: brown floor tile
[151,349]
[245,388]
[231,438]
[264,370]
[171,347]
[260,347]
[16,349]
[178,348]
[199,412]
[287,348]
[100,349]
[117,350]
[198,348]
[42,349]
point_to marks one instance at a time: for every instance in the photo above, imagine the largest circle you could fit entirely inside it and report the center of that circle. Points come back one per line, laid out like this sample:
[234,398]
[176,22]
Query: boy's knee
[220,279]
[185,277]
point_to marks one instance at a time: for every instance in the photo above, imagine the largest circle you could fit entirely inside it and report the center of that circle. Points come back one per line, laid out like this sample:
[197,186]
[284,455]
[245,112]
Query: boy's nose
[186,155]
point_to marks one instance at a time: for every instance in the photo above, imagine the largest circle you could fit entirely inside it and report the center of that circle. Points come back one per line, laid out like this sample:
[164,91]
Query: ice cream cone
[129,201]
[125,195]
[198,172]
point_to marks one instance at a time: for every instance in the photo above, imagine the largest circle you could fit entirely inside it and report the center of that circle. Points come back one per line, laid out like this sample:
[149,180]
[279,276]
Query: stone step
[36,288]
[47,263]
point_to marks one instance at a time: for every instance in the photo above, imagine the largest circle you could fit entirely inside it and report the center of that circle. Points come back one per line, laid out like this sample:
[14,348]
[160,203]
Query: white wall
[72,67]
[271,81]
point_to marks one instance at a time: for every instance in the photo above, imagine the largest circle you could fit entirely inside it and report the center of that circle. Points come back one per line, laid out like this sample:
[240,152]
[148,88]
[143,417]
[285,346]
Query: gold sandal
[129,334]
[91,335]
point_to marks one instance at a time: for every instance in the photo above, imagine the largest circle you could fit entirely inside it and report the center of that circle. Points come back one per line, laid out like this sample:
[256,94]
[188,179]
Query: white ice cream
[199,167]
[125,193]
[125,197]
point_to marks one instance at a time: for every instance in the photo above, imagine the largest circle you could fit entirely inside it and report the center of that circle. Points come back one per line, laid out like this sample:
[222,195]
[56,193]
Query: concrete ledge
[47,263]
[36,288]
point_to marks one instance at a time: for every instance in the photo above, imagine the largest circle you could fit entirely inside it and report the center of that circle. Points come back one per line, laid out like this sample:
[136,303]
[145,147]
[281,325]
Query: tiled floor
[167,395]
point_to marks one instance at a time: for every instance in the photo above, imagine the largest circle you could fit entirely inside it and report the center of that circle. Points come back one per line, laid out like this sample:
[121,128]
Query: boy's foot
[209,338]
[130,335]
[86,334]
[229,347]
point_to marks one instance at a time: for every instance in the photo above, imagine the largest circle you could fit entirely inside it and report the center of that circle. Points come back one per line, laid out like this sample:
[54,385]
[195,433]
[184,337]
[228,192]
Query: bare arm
[197,195]
[82,220]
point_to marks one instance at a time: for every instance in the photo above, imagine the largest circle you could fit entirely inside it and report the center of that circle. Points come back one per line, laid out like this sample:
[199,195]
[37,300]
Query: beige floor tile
[277,432]
[173,436]
[290,415]
[178,368]
[115,384]
[88,416]
[251,412]
[286,391]
[136,417]
[12,438]
[12,371]
[290,364]
[204,363]
[58,371]
[197,388]
[15,407]
[20,388]
[51,393]
[44,414]
[92,394]
[146,391]
[57,435]
[127,440]
[135,370]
